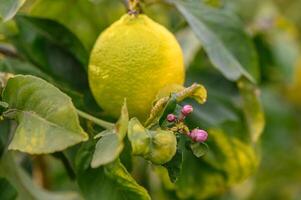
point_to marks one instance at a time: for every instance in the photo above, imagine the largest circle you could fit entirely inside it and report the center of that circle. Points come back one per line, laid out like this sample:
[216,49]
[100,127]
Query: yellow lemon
[134,58]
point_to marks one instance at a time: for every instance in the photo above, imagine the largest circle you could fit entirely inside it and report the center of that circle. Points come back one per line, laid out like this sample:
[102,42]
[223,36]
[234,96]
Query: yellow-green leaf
[8,8]
[47,119]
[252,108]
[111,144]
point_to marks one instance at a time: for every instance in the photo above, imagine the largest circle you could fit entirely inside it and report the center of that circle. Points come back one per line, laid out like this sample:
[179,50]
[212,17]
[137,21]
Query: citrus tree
[149,99]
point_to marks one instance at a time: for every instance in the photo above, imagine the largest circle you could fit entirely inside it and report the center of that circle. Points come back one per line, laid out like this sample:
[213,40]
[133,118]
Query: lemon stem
[100,122]
[133,6]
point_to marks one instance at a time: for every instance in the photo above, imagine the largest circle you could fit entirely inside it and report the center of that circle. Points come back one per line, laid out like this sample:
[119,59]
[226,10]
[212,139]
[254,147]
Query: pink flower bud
[186,110]
[171,117]
[198,135]
[193,134]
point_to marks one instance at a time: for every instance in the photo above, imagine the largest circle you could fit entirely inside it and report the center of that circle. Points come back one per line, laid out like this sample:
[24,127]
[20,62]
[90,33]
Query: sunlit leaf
[252,108]
[199,94]
[107,150]
[8,8]
[47,119]
[139,138]
[111,144]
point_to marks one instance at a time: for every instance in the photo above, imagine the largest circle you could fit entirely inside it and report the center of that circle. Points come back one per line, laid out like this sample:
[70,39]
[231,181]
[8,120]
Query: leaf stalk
[100,122]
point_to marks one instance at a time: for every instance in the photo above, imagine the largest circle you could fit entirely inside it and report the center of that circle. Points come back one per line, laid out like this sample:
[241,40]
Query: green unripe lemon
[134,58]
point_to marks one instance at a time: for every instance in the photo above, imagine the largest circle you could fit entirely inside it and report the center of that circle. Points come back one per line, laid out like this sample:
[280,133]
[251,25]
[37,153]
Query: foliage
[242,62]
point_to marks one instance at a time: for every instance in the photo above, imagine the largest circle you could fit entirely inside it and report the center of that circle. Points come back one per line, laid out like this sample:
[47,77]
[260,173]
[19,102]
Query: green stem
[133,6]
[100,122]
[11,114]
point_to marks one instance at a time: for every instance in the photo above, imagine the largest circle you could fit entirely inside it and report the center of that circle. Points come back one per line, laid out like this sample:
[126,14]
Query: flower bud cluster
[197,135]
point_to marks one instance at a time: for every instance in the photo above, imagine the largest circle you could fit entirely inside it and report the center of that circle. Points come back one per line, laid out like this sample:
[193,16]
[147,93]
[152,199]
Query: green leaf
[3,79]
[15,66]
[82,99]
[119,173]
[198,180]
[221,106]
[7,191]
[47,119]
[280,140]
[158,146]
[169,108]
[195,91]
[58,55]
[54,49]
[96,1]
[138,137]
[8,8]
[107,150]
[103,133]
[215,3]
[189,43]
[110,182]
[232,156]
[252,108]
[26,188]
[174,166]
[237,159]
[3,107]
[122,124]
[199,149]
[5,127]
[223,37]
[229,161]
[111,144]
[85,19]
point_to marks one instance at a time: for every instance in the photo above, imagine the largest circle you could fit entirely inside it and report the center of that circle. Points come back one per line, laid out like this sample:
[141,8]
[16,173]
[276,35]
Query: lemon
[134,58]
